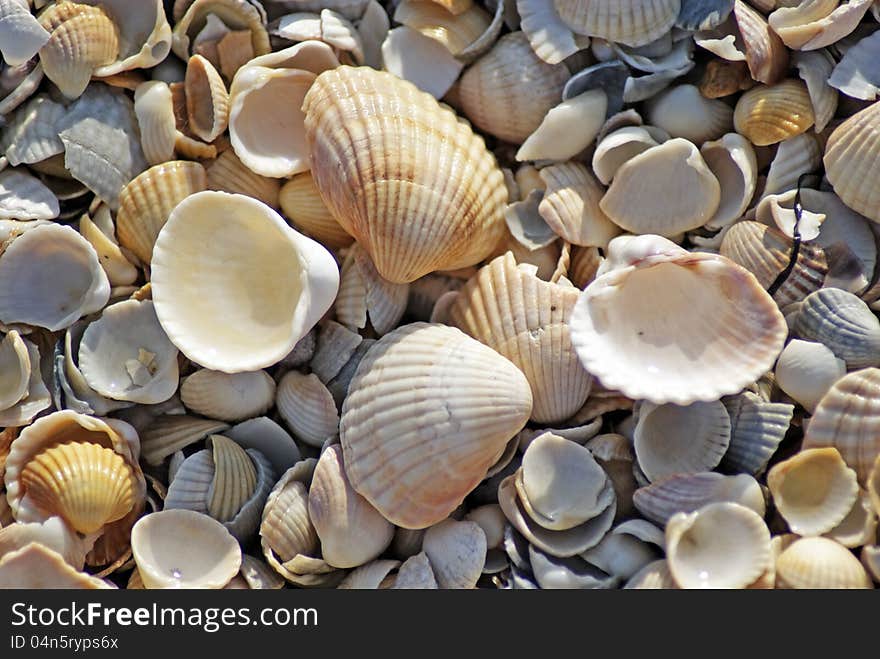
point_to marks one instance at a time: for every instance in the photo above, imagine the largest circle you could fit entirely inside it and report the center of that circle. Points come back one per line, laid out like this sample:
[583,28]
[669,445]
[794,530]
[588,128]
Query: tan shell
[859,527]
[526,319]
[819,563]
[733,162]
[120,271]
[585,262]
[448,381]
[567,128]
[228,174]
[846,419]
[492,89]
[38,566]
[851,162]
[351,531]
[228,397]
[654,576]
[631,22]
[406,233]
[154,108]
[236,15]
[301,203]
[307,407]
[207,101]
[683,112]
[147,200]
[770,114]
[765,52]
[874,485]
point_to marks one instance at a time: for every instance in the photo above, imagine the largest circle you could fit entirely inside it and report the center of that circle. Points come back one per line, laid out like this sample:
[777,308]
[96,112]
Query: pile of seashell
[440,293]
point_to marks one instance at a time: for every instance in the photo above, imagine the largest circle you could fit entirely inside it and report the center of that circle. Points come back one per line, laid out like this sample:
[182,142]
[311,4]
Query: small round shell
[770,114]
[228,396]
[307,407]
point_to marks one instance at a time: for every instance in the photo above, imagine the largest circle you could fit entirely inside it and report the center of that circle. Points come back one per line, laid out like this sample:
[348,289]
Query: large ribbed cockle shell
[413,184]
[669,325]
[428,412]
[525,319]
[632,22]
[852,161]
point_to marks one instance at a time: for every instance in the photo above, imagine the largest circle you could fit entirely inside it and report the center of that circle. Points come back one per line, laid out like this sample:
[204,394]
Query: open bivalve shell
[815,563]
[813,490]
[184,549]
[446,383]
[412,217]
[207,101]
[227,319]
[525,319]
[621,341]
[721,545]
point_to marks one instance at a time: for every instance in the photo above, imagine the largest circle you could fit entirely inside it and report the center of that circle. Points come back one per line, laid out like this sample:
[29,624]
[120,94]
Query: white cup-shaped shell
[417,430]
[207,101]
[256,285]
[721,545]
[125,354]
[733,162]
[819,563]
[813,490]
[806,370]
[184,549]
[351,531]
[618,330]
[457,553]
[228,396]
[31,268]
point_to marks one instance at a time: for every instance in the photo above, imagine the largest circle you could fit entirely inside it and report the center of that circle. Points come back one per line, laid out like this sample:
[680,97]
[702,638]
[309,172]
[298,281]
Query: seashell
[184,549]
[36,261]
[816,24]
[843,323]
[628,548]
[471,377]
[15,369]
[228,397]
[684,283]
[53,534]
[363,293]
[815,69]
[313,56]
[38,566]
[855,74]
[264,435]
[421,60]
[455,31]
[654,576]
[490,518]
[307,407]
[570,205]
[765,52]
[819,563]
[228,174]
[683,112]
[490,89]
[125,355]
[351,531]
[770,114]
[617,148]
[236,15]
[859,527]
[632,22]
[673,173]
[30,135]
[416,573]
[302,205]
[609,77]
[562,544]
[766,253]
[562,484]
[24,197]
[201,320]
[81,40]
[685,493]
[373,27]
[525,224]
[336,346]
[733,162]
[207,102]
[174,432]
[757,430]
[265,122]
[703,14]
[614,454]
[551,572]
[870,557]
[671,439]
[795,157]
[119,270]
[525,319]
[370,576]
[349,96]
[567,129]
[874,484]
[813,490]
[849,166]
[550,38]
[806,370]
[844,419]
[721,545]
[722,78]
[155,115]
[585,262]
[147,201]
[187,147]
[21,34]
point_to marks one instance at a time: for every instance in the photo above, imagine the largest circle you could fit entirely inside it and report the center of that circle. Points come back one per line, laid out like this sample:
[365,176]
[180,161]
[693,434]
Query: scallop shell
[228,397]
[806,370]
[733,162]
[236,15]
[174,432]
[31,267]
[421,60]
[490,90]
[683,112]
[818,563]
[184,549]
[81,41]
[307,407]
[617,148]
[664,190]
[30,136]
[201,319]
[567,129]
[632,22]
[351,531]
[845,419]
[207,101]
[525,319]
[24,197]
[614,343]
[155,114]
[721,545]
[849,164]
[818,23]
[757,430]
[363,293]
[37,566]
[125,355]
[463,213]
[21,34]
[685,493]
[456,552]
[770,114]
[585,262]
[842,322]
[301,203]
[463,442]
[228,174]
[374,575]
